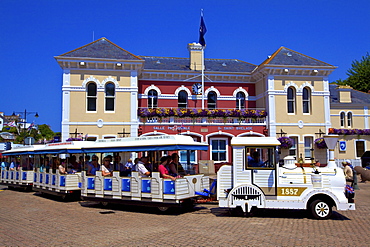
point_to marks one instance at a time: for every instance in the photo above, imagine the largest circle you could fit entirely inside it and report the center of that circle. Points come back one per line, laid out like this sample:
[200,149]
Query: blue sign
[342,145]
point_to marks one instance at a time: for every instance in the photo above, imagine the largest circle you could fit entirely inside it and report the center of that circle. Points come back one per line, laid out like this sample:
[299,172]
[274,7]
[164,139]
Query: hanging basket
[286,142]
[320,143]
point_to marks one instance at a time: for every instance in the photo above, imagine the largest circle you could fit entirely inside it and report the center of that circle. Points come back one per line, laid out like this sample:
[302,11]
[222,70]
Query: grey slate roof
[214,65]
[101,48]
[285,56]
[357,97]
[105,49]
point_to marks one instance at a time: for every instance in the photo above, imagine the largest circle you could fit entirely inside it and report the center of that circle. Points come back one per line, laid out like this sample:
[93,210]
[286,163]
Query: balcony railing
[202,116]
[172,120]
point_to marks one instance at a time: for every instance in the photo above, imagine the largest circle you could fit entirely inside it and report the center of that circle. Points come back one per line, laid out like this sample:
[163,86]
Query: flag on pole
[12,124]
[31,126]
[202,31]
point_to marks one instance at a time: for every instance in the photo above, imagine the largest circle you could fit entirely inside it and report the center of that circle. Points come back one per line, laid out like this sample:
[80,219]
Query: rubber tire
[104,204]
[163,209]
[321,210]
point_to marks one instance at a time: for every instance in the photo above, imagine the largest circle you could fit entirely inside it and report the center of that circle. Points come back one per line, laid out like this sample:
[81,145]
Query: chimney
[195,50]
[345,94]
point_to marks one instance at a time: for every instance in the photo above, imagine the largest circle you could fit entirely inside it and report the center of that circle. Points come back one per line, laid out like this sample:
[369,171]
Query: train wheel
[321,209]
[163,209]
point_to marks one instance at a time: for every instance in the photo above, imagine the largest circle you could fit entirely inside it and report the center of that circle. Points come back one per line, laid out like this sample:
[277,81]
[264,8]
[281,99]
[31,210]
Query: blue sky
[33,32]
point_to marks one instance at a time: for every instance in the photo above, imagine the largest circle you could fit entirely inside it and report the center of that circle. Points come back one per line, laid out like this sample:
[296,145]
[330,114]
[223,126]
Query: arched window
[349,120]
[306,100]
[240,100]
[342,119]
[110,94]
[291,100]
[91,96]
[212,100]
[152,99]
[183,99]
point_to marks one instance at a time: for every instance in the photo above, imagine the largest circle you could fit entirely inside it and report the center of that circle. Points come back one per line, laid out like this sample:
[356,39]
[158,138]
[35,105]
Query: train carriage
[153,190]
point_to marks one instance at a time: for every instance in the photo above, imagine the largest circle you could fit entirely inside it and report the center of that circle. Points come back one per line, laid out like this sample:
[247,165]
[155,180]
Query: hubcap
[322,209]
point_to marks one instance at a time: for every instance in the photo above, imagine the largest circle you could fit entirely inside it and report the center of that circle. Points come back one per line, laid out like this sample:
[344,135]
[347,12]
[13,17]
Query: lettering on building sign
[236,128]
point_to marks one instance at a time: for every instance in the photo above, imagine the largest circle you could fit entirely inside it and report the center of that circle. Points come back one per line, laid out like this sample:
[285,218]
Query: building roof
[101,48]
[285,56]
[105,49]
[211,65]
[357,97]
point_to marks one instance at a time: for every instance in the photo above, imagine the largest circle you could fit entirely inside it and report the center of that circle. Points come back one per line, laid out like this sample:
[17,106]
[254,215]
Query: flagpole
[202,77]
[203,30]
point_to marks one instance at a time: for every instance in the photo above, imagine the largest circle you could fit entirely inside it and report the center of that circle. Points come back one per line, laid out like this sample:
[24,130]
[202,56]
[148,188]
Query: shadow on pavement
[276,213]
[111,207]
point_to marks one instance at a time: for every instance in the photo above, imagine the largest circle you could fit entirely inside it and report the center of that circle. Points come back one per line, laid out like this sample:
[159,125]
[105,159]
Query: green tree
[45,132]
[358,75]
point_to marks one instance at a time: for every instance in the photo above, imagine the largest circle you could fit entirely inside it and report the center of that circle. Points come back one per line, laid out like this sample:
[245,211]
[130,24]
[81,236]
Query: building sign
[342,145]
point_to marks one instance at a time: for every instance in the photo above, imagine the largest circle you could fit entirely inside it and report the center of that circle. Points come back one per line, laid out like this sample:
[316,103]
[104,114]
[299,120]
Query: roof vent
[289,54]
[224,64]
[158,62]
[268,56]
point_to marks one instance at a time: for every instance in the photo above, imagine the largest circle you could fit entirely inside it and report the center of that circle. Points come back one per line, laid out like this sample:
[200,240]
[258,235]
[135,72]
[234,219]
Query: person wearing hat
[347,171]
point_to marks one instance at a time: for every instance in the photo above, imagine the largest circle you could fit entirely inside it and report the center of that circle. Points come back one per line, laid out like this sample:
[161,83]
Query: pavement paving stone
[29,219]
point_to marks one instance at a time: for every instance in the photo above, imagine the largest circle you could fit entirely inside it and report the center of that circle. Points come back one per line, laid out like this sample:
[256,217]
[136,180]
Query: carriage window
[260,157]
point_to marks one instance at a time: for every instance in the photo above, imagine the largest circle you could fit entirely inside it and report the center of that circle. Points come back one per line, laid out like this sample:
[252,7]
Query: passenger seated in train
[164,168]
[62,166]
[14,165]
[73,166]
[175,165]
[141,168]
[4,164]
[54,165]
[93,166]
[125,170]
[106,167]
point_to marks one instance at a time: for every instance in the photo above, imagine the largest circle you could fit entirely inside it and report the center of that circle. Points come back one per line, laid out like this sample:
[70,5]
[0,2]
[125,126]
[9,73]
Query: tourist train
[256,179]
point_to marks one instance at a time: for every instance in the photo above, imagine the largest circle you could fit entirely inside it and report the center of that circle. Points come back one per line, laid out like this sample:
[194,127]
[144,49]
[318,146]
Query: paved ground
[28,219]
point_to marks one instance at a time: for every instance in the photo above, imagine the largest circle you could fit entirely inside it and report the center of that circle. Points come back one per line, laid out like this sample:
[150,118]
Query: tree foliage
[358,75]
[43,132]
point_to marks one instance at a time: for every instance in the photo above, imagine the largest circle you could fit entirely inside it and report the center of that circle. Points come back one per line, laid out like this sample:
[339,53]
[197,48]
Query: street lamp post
[331,142]
[25,113]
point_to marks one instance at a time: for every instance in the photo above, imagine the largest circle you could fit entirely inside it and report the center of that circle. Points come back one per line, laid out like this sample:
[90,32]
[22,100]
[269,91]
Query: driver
[255,160]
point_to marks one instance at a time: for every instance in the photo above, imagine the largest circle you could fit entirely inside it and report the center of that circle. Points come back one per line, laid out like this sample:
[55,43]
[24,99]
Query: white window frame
[308,100]
[355,146]
[349,119]
[293,100]
[294,147]
[342,119]
[91,97]
[226,148]
[109,97]
[306,147]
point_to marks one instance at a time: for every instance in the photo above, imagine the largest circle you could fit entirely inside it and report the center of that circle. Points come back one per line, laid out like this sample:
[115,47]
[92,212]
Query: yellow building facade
[101,95]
